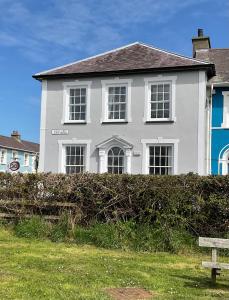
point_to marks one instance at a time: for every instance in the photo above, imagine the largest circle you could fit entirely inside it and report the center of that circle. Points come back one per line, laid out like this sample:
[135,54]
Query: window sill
[74,123]
[224,126]
[114,122]
[159,121]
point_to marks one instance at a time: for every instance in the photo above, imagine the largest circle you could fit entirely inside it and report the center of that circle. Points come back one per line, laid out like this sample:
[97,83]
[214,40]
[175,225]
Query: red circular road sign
[14,166]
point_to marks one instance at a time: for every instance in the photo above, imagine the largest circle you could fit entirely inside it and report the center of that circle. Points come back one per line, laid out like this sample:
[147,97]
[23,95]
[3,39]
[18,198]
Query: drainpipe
[210,131]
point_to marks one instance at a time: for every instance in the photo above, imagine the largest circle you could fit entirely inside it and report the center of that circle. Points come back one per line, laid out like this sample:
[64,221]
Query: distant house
[219,132]
[15,149]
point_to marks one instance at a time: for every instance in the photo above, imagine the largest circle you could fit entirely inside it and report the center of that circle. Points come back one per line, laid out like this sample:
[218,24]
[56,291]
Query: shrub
[195,204]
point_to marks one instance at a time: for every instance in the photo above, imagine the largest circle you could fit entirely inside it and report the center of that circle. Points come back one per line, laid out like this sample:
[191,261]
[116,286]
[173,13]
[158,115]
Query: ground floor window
[225,163]
[115,161]
[3,156]
[26,159]
[160,160]
[75,159]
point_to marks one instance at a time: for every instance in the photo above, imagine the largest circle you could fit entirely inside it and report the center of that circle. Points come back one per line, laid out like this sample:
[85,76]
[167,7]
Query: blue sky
[38,35]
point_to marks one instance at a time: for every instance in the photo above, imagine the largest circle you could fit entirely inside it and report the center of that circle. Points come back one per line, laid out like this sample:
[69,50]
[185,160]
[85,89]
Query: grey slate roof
[220,57]
[10,142]
[135,57]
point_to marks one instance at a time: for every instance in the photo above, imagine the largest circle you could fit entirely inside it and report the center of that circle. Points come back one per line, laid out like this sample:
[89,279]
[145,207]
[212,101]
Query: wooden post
[214,255]
[214,260]
[214,273]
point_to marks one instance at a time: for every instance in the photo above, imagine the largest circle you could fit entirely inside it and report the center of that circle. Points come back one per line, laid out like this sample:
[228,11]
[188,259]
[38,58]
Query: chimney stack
[200,42]
[15,134]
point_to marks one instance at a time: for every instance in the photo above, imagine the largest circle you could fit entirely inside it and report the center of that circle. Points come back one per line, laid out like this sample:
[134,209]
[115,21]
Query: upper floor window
[76,102]
[160,98]
[225,109]
[3,157]
[160,101]
[115,164]
[26,159]
[14,155]
[116,100]
[117,103]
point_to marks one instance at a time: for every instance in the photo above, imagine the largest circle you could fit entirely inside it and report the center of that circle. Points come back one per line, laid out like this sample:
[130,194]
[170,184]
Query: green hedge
[194,203]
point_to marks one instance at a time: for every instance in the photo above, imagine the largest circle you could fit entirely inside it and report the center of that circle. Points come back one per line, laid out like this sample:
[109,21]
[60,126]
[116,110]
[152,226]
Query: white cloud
[73,27]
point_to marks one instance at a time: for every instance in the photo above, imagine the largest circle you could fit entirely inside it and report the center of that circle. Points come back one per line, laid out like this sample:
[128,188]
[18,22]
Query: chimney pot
[200,42]
[200,32]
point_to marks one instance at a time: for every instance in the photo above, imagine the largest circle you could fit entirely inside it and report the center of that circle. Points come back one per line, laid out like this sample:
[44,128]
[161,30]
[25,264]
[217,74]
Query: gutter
[210,68]
[18,149]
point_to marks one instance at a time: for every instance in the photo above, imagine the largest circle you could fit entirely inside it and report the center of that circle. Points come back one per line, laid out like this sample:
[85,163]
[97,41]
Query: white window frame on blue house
[26,162]
[3,156]
[225,123]
[15,155]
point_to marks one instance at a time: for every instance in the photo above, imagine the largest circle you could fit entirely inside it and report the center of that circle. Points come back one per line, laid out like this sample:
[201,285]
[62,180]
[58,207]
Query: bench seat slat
[214,243]
[212,265]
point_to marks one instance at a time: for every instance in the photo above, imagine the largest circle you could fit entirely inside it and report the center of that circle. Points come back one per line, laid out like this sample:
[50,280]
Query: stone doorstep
[128,293]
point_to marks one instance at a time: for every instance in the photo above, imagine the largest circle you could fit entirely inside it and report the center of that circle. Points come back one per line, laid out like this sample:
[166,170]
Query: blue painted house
[15,149]
[219,98]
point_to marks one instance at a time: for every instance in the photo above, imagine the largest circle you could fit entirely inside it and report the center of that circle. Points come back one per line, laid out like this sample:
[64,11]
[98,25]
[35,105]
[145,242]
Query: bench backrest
[214,243]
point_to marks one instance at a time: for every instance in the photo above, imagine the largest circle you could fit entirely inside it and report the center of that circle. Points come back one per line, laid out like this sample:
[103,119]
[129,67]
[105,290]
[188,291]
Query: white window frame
[4,162]
[73,142]
[33,163]
[26,165]
[225,123]
[159,80]
[225,162]
[159,142]
[66,96]
[16,155]
[115,83]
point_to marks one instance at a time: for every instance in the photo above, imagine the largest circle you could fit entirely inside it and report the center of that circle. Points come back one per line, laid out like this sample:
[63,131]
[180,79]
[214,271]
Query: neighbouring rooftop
[15,142]
[219,57]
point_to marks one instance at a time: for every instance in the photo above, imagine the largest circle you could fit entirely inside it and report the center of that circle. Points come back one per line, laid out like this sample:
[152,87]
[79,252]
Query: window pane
[160,88]
[154,97]
[154,88]
[122,115]
[123,90]
[166,88]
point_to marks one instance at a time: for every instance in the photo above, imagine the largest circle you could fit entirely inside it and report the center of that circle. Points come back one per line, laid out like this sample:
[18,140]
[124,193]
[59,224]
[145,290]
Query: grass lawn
[45,270]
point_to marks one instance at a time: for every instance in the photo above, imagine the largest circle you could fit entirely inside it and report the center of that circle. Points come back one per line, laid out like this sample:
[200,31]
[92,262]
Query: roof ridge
[20,141]
[173,53]
[29,142]
[90,57]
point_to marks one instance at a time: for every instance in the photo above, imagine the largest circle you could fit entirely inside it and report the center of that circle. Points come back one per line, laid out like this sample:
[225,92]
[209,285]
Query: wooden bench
[214,265]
